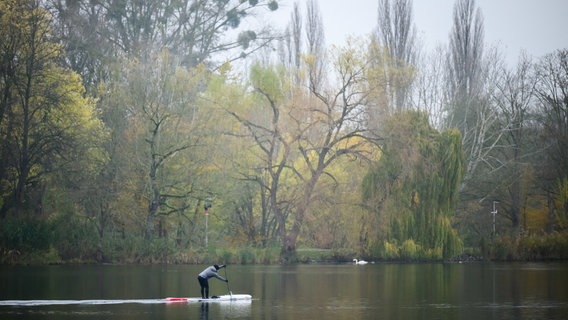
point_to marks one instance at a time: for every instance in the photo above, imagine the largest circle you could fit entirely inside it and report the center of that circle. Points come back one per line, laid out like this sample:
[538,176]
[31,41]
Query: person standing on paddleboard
[204,276]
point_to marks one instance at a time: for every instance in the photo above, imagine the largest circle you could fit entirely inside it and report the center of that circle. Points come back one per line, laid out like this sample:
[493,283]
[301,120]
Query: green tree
[108,43]
[48,124]
[414,187]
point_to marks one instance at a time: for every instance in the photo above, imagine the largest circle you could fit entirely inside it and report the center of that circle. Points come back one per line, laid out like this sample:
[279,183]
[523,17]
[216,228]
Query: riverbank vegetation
[186,132]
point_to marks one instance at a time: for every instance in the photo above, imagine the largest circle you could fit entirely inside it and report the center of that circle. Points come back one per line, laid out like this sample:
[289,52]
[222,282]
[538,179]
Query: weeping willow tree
[414,188]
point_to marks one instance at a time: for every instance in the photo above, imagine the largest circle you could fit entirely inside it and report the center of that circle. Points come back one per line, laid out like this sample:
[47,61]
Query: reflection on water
[227,310]
[390,291]
[204,314]
[35,303]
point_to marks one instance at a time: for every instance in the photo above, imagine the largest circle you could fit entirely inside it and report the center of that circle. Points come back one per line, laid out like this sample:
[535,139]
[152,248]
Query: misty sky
[537,26]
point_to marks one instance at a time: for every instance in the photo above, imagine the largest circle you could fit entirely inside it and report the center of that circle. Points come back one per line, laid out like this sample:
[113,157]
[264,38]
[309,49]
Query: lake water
[374,291]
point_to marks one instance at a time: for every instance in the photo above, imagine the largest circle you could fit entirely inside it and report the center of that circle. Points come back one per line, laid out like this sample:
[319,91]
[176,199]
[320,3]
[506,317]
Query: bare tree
[396,30]
[429,89]
[465,61]
[552,94]
[396,33]
[292,53]
[316,46]
[514,95]
[468,109]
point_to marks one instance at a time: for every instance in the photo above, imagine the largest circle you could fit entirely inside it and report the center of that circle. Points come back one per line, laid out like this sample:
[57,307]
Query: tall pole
[206,207]
[494,212]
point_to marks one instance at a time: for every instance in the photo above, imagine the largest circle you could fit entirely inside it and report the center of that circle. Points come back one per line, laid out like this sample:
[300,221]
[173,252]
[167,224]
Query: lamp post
[206,206]
[494,212]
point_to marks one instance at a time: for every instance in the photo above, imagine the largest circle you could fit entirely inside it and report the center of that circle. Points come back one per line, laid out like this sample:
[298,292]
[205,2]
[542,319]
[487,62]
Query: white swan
[359,261]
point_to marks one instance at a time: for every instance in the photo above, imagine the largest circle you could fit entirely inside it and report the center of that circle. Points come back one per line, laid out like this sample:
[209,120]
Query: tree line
[121,121]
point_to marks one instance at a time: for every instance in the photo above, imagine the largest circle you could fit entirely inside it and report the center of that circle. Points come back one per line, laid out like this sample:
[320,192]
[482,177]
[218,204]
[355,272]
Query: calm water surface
[375,291]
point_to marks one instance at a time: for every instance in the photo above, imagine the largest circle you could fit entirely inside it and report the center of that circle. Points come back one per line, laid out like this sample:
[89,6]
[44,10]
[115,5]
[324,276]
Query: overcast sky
[537,26]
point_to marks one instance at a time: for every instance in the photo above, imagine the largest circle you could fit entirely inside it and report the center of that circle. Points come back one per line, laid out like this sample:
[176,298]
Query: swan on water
[359,261]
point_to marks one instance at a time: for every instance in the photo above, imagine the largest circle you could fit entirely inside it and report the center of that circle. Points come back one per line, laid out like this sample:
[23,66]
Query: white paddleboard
[227,297]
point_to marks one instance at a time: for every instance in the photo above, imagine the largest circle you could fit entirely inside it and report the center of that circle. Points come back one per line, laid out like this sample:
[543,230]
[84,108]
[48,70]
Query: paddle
[228,289]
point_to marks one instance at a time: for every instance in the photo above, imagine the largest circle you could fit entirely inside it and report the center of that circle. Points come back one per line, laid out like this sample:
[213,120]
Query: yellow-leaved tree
[49,130]
[298,135]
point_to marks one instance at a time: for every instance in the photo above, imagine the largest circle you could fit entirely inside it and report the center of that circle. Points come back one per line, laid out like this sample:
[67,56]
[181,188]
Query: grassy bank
[51,242]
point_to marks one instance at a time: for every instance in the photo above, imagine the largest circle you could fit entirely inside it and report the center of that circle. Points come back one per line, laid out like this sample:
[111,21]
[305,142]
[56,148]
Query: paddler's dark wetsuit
[210,272]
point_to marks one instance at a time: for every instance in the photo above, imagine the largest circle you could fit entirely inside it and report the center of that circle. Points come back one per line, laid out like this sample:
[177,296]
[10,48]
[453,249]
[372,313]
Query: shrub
[410,250]
[391,250]
[25,234]
[225,255]
[246,255]
[74,238]
[531,247]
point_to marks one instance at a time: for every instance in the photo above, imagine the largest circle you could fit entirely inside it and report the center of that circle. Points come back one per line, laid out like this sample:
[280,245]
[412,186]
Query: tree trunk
[152,210]
[154,202]
[516,206]
[289,239]
[288,253]
[550,224]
